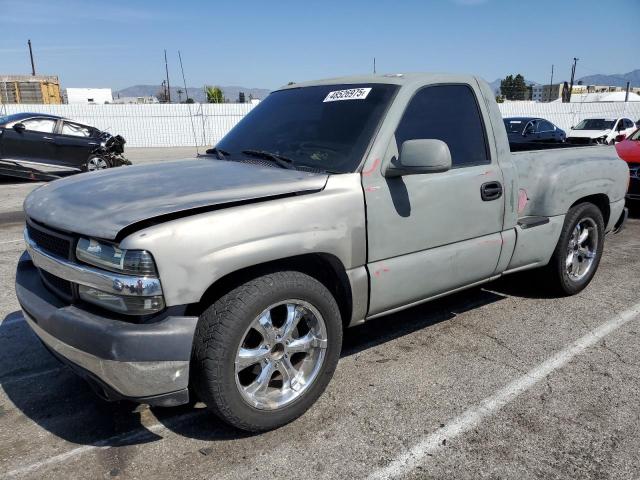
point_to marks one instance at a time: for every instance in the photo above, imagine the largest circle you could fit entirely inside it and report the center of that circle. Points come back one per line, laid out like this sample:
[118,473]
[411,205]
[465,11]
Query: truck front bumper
[143,362]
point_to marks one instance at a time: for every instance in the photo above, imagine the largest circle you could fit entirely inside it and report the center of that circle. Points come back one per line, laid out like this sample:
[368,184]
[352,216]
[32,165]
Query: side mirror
[19,127]
[420,156]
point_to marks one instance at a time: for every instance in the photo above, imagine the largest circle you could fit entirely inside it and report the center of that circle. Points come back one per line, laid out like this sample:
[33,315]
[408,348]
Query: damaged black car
[32,143]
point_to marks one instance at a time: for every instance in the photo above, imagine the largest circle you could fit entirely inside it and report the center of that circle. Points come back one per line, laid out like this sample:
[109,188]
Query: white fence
[160,125]
[172,126]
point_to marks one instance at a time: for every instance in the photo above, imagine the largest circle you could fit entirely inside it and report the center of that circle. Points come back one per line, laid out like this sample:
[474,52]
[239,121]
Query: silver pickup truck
[230,278]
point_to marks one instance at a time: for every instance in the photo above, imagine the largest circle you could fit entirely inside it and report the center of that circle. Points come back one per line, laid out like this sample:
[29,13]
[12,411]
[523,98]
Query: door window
[544,126]
[44,125]
[449,113]
[75,130]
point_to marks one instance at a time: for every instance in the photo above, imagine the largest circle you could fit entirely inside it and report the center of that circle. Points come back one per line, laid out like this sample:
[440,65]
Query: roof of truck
[393,78]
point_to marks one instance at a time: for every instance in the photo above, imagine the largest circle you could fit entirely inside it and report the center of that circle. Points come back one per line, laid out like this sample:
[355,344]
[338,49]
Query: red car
[629,151]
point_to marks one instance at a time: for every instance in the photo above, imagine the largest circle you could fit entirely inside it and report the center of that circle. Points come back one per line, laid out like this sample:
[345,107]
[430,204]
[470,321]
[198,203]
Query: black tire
[221,329]
[556,270]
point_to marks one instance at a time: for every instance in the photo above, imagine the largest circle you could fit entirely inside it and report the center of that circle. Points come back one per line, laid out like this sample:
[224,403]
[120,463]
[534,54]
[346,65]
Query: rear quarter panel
[555,179]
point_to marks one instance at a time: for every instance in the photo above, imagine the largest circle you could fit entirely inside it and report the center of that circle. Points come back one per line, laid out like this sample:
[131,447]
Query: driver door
[434,232]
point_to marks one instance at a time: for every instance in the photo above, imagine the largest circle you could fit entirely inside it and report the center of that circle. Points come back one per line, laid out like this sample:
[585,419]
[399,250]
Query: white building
[143,99]
[89,95]
[603,97]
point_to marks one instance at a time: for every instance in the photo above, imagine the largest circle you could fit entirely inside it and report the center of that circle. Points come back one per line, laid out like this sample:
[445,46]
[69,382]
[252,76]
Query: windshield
[595,124]
[515,126]
[325,127]
[635,135]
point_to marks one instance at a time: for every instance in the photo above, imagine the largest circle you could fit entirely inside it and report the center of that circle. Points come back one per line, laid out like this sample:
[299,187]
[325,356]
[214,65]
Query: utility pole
[374,65]
[33,65]
[550,85]
[166,68]
[626,95]
[573,73]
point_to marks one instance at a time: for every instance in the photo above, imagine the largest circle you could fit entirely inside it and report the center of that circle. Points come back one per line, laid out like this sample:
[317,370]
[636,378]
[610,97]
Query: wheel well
[601,201]
[325,268]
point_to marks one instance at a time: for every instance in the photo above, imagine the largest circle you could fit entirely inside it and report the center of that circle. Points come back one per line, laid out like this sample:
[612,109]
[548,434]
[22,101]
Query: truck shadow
[58,401]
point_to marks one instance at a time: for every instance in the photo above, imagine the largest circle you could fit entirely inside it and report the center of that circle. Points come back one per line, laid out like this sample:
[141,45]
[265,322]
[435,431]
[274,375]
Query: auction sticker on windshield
[351,94]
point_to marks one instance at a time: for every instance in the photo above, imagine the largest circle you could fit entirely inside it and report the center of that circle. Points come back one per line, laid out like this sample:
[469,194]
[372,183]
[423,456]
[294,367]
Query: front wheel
[579,249]
[265,352]
[96,162]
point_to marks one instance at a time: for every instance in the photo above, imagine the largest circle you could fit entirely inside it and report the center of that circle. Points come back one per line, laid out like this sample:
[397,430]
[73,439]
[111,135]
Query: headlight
[110,257]
[124,304]
[139,296]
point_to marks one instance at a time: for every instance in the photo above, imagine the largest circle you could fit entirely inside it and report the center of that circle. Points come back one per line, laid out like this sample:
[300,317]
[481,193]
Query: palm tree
[214,94]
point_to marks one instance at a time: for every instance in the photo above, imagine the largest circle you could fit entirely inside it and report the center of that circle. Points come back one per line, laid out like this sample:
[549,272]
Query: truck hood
[588,133]
[101,204]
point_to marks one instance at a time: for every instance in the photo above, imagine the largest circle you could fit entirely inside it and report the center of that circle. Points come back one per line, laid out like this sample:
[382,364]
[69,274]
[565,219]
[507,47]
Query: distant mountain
[198,95]
[618,80]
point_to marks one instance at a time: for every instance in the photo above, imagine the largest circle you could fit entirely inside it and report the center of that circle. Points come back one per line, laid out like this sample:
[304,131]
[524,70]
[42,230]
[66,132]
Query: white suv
[601,130]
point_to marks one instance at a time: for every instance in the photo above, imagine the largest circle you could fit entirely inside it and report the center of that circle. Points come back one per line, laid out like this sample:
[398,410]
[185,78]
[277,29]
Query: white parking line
[124,439]
[468,420]
[12,241]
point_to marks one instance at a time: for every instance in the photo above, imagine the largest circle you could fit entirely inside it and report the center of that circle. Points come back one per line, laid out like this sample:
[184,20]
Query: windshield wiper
[221,154]
[279,160]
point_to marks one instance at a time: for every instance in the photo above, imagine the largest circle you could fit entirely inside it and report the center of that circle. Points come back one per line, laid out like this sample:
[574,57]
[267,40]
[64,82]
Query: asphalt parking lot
[496,382]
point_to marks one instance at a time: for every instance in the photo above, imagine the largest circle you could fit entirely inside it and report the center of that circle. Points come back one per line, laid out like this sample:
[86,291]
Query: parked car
[601,130]
[629,151]
[533,130]
[32,139]
[330,203]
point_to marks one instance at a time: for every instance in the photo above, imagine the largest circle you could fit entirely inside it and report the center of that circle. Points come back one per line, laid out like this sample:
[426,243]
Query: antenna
[193,127]
[166,68]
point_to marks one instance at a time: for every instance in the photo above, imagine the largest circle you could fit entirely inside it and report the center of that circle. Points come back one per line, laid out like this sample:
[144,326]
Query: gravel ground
[488,383]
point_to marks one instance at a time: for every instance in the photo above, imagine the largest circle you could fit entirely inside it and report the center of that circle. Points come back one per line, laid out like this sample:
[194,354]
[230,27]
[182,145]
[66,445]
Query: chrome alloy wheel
[582,249]
[96,163]
[280,354]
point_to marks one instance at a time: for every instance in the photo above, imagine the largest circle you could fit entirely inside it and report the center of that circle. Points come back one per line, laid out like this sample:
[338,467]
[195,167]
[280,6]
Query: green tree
[214,94]
[514,88]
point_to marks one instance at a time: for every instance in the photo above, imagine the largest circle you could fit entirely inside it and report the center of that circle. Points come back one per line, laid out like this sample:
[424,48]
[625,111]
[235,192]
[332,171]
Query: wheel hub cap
[582,249]
[280,354]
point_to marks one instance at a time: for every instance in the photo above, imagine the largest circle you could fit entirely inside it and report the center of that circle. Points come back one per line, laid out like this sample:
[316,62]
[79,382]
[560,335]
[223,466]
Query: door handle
[491,191]
[47,138]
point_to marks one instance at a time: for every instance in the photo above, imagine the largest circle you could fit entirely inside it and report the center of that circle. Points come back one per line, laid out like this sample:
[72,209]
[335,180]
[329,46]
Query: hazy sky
[268,43]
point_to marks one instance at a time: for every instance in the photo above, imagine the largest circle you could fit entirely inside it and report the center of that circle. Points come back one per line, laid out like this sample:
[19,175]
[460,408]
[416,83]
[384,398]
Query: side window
[75,130]
[44,125]
[449,113]
[544,126]
[628,123]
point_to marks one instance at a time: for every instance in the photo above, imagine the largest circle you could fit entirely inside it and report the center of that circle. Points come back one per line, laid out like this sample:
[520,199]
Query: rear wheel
[579,249]
[265,352]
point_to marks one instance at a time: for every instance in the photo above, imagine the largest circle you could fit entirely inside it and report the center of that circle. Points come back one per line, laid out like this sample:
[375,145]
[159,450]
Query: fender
[194,252]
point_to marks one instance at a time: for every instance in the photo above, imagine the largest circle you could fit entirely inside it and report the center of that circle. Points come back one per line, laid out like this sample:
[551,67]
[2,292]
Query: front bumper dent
[147,362]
